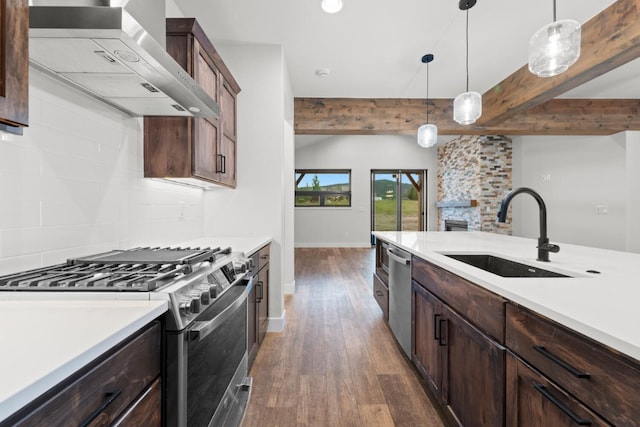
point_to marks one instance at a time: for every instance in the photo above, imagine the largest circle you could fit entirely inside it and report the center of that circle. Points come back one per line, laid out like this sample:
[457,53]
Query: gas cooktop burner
[139,269]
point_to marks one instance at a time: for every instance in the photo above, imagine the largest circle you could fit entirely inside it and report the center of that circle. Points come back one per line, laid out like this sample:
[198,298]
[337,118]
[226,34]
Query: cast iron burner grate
[174,256]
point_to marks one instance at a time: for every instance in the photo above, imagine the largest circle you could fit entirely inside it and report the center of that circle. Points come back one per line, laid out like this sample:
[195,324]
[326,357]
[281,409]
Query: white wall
[257,206]
[73,184]
[632,243]
[573,174]
[351,227]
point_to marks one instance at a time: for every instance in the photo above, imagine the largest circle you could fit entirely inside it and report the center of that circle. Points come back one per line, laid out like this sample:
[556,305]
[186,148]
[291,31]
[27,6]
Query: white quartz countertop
[248,245]
[604,306]
[44,342]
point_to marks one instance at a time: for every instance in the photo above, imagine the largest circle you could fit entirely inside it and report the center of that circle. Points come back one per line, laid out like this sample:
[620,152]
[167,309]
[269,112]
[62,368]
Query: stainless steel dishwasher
[400,296]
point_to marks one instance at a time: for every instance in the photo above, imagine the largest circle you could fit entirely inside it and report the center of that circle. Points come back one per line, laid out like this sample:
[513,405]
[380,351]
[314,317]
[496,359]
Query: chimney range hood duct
[114,50]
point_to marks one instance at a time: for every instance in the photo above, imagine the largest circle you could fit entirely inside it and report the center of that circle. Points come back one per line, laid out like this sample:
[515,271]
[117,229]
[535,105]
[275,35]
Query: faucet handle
[549,247]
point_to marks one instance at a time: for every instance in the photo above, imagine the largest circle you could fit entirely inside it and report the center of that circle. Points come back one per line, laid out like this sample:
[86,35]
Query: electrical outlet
[602,209]
[546,177]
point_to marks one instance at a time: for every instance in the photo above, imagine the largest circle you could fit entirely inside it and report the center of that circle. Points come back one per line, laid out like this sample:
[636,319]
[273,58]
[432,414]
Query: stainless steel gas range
[205,374]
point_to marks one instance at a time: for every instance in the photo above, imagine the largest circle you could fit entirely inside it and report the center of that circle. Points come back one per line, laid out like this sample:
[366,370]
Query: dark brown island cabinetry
[122,388]
[184,147]
[492,362]
[258,316]
[558,377]
[463,365]
[14,65]
[381,278]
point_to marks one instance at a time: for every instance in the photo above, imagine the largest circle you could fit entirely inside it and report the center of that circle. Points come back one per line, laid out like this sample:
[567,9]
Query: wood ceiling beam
[358,116]
[609,40]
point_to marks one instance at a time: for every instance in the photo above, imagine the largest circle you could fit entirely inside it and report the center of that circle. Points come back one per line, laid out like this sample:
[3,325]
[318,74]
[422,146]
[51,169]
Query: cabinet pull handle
[109,398]
[218,163]
[259,288]
[568,412]
[379,293]
[561,363]
[441,341]
[264,256]
[224,164]
[436,327]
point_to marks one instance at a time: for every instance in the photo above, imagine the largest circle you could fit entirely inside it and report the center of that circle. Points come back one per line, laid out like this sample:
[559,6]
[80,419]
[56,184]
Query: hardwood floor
[336,363]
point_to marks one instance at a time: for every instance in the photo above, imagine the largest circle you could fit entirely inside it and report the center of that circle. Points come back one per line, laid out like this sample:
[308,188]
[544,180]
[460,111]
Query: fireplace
[455,225]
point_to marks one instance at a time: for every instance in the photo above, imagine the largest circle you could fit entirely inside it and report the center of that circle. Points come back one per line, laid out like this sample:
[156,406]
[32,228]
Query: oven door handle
[200,330]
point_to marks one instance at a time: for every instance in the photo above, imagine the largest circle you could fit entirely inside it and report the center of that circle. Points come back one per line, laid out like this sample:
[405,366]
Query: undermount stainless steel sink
[503,267]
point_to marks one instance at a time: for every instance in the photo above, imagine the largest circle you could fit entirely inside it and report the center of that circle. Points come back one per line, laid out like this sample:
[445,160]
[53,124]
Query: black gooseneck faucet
[544,247]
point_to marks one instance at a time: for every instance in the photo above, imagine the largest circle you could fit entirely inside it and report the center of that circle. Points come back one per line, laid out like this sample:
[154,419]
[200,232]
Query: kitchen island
[539,350]
[602,306]
[42,343]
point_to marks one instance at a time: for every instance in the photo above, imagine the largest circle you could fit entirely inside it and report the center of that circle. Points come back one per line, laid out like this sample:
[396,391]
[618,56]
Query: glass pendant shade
[467,108]
[331,6]
[554,48]
[427,135]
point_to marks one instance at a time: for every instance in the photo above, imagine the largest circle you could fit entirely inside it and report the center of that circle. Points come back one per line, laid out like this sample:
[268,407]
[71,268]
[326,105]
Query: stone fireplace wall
[475,168]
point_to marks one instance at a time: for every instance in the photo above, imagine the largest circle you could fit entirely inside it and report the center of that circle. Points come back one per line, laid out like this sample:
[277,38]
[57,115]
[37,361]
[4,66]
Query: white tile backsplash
[73,184]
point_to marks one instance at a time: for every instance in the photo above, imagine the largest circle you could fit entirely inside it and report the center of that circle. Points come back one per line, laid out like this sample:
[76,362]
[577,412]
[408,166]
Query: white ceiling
[373,47]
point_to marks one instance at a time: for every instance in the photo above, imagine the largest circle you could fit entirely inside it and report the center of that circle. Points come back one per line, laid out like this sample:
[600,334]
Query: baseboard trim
[290,288]
[277,324]
[332,245]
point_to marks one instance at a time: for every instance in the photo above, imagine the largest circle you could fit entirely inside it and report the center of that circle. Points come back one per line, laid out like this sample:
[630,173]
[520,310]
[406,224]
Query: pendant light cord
[427,92]
[554,10]
[467,55]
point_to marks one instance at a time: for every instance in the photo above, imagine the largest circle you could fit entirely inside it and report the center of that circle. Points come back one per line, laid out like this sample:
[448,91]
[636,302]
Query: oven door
[207,382]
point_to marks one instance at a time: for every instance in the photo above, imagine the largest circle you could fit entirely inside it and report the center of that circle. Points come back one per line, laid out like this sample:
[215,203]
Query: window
[323,188]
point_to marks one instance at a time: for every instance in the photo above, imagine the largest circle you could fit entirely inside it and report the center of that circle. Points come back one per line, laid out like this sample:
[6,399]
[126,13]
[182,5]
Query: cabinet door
[228,141]
[204,72]
[14,65]
[262,295]
[426,351]
[227,159]
[228,107]
[474,380]
[533,401]
[206,160]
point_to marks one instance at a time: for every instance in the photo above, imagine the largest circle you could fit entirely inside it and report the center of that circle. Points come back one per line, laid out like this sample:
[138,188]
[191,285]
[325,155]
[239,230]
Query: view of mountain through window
[323,188]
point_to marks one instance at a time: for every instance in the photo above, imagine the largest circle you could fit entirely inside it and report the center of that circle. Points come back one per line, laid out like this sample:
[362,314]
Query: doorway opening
[398,200]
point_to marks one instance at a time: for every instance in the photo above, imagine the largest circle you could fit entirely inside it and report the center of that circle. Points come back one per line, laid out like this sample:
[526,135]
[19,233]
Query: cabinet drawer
[145,411]
[484,309]
[533,401]
[261,258]
[381,294]
[119,379]
[603,380]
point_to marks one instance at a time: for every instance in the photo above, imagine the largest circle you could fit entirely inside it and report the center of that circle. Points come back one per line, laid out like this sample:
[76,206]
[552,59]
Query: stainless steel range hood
[114,50]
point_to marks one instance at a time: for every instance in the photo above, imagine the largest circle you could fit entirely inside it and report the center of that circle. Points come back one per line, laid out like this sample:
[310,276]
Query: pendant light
[427,133]
[554,47]
[467,107]
[331,6]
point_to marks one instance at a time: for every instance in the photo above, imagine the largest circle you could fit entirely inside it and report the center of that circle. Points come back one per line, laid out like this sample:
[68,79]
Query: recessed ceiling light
[331,6]
[323,72]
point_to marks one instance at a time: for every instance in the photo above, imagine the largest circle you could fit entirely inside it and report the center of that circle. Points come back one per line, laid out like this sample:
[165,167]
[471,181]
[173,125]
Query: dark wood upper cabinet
[184,147]
[14,65]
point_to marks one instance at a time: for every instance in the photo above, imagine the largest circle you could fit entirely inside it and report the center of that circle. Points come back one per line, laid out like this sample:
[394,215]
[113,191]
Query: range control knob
[241,266]
[190,306]
[205,294]
[197,294]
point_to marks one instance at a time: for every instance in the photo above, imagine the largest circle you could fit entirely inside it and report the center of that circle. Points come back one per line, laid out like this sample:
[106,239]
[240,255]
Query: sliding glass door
[398,200]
